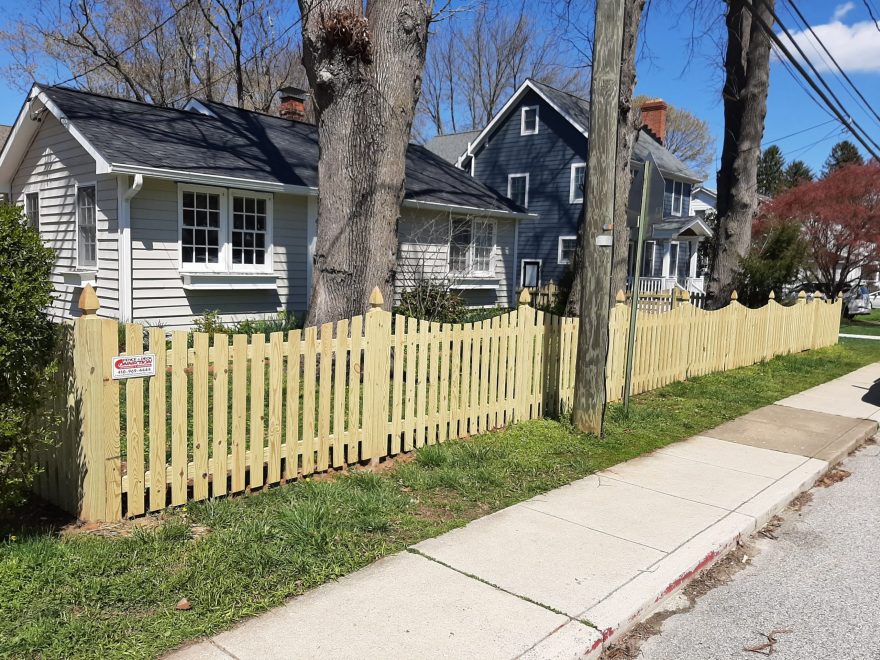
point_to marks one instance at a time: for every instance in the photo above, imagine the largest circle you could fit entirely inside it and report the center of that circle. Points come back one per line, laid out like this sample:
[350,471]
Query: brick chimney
[293,103]
[654,118]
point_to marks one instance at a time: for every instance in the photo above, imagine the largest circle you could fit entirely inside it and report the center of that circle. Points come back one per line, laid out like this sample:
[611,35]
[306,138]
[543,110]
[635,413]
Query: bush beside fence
[237,413]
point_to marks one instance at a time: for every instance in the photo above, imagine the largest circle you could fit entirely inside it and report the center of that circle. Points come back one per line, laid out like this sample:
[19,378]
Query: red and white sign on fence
[133,366]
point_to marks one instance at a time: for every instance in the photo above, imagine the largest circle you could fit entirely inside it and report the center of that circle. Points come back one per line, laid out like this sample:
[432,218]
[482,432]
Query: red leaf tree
[839,217]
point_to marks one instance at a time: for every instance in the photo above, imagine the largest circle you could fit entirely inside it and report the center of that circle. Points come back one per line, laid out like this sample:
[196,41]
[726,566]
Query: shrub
[27,350]
[774,262]
[430,301]
[211,323]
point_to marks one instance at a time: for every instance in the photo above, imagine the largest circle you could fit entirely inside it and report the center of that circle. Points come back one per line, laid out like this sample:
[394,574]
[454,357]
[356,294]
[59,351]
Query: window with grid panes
[87,239]
[249,227]
[200,239]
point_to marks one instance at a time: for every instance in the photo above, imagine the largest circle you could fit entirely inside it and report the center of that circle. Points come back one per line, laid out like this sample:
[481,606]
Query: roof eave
[512,101]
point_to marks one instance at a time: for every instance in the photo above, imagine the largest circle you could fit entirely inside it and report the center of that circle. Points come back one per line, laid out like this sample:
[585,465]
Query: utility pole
[594,260]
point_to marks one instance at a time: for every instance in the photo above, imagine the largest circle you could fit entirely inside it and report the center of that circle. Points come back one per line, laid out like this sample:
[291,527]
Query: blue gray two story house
[535,150]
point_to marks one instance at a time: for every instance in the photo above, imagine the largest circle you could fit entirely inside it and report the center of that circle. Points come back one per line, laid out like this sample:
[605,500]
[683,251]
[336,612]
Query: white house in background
[170,213]
[703,200]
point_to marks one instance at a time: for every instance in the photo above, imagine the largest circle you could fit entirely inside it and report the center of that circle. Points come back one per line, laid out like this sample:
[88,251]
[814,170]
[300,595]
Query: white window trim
[680,196]
[559,259]
[522,270]
[469,272]
[36,192]
[268,266]
[522,119]
[645,254]
[515,175]
[572,188]
[79,268]
[224,263]
[222,258]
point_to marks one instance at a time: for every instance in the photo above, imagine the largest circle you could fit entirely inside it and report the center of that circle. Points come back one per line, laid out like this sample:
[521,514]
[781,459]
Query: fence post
[376,378]
[524,365]
[99,497]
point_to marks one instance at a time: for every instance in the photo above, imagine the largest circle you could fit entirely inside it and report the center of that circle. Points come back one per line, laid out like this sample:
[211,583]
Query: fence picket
[220,392]
[179,417]
[239,411]
[134,426]
[200,416]
[276,403]
[256,445]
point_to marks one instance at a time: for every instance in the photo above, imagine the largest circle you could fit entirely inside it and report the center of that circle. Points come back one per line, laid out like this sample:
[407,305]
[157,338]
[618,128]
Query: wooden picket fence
[227,414]
[687,341]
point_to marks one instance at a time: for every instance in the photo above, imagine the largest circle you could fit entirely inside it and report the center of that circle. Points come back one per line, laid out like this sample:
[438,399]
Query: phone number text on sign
[133,366]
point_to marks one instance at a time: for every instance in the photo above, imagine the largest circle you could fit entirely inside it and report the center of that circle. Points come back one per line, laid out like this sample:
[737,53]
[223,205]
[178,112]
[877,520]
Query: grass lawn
[868,324]
[81,595]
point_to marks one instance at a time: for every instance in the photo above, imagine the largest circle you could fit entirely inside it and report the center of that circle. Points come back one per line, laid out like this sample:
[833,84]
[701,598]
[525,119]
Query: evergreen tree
[842,154]
[770,172]
[796,173]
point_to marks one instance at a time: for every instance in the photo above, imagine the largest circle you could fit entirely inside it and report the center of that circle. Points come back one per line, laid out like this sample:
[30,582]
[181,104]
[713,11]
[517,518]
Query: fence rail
[231,413]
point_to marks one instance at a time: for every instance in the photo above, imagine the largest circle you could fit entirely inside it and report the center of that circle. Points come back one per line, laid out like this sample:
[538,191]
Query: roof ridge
[86,92]
[561,91]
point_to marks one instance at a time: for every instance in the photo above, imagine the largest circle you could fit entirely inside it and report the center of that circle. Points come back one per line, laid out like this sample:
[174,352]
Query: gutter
[124,280]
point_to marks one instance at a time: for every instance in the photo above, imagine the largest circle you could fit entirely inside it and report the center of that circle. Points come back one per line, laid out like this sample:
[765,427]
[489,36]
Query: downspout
[125,195]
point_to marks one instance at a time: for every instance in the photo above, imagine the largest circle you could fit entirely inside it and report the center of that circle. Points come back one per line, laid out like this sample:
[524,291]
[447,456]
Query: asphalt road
[820,580]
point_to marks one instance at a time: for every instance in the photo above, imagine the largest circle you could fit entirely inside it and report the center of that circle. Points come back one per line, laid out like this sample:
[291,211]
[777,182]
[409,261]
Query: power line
[775,39]
[138,41]
[811,128]
[815,71]
[839,68]
[871,14]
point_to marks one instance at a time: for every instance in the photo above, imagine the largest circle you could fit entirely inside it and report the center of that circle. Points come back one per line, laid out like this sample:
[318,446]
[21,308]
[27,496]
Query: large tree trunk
[365,71]
[628,124]
[747,79]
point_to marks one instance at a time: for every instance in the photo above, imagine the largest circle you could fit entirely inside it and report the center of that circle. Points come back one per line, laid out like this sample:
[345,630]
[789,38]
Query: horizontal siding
[159,296]
[547,157]
[52,166]
[424,254]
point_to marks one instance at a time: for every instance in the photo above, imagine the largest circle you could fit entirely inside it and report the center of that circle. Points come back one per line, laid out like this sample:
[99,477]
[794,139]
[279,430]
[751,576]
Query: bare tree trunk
[628,124]
[747,79]
[366,73]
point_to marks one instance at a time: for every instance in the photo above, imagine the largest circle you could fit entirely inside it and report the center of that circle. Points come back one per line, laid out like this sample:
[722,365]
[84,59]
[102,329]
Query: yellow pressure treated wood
[221,412]
[276,403]
[361,390]
[179,416]
[158,447]
[292,416]
[200,416]
[340,357]
[239,411]
[134,415]
[257,405]
[355,432]
[310,353]
[112,472]
[325,388]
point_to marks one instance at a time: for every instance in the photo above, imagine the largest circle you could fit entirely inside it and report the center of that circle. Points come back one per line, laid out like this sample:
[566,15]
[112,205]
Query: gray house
[173,212]
[535,151]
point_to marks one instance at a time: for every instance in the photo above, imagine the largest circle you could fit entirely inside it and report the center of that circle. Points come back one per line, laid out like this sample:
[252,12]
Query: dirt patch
[434,508]
[720,573]
[871,441]
[832,477]
[125,528]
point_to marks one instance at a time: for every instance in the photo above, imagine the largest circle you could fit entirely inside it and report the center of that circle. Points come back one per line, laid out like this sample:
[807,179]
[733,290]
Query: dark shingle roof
[245,145]
[452,145]
[578,110]
[4,133]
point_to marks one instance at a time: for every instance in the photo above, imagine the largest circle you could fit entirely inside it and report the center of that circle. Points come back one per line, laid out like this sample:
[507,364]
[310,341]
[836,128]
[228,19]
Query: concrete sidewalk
[562,574]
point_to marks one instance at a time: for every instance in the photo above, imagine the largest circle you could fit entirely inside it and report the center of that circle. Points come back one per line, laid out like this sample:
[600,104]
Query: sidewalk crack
[549,608]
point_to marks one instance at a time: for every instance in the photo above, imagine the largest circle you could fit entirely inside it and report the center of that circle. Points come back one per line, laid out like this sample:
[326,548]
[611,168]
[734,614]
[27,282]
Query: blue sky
[691,78]
[668,70]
